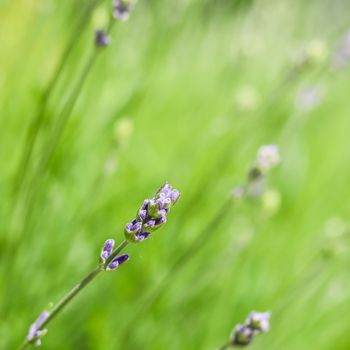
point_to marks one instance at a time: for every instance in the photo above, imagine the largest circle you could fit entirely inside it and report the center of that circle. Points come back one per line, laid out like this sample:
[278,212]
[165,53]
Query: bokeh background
[187,92]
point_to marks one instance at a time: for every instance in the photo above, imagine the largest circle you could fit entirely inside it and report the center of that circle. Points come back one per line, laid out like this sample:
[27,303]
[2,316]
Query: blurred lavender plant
[308,98]
[151,216]
[256,323]
[312,54]
[267,158]
[341,56]
[121,11]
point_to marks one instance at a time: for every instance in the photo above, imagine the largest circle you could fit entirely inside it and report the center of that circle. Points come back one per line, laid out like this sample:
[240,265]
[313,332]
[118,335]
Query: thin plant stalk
[68,108]
[35,187]
[60,306]
[224,347]
[35,126]
[50,148]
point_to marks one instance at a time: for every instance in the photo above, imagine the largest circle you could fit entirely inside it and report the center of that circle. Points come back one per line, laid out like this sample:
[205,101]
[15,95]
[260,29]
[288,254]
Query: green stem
[34,127]
[76,289]
[50,147]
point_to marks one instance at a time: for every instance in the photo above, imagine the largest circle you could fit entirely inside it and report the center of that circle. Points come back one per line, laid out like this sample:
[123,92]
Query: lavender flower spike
[122,9]
[107,250]
[116,262]
[101,38]
[243,335]
[152,214]
[35,333]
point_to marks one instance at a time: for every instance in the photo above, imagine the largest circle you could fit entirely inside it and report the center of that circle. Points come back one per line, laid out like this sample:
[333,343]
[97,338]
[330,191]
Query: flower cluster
[106,252]
[35,333]
[152,214]
[256,323]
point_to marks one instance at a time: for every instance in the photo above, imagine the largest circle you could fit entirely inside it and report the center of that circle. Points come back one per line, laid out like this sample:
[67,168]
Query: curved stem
[76,289]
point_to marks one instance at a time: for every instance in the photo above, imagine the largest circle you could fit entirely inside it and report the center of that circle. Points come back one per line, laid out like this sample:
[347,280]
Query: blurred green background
[186,93]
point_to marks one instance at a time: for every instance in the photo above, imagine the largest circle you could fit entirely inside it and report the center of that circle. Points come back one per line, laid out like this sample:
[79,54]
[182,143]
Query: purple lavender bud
[164,191]
[122,9]
[142,214]
[174,196]
[142,236]
[35,333]
[107,250]
[160,221]
[131,231]
[154,224]
[116,262]
[150,224]
[101,38]
[164,202]
[242,336]
[259,321]
[133,227]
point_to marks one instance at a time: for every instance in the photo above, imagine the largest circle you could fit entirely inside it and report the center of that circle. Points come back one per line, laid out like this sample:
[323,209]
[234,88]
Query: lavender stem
[76,289]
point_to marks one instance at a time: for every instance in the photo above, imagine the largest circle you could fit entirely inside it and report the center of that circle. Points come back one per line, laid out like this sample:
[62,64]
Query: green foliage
[186,93]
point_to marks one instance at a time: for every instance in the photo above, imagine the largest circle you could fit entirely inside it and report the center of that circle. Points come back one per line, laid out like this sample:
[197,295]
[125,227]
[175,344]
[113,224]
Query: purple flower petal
[145,204]
[142,236]
[161,220]
[116,262]
[133,227]
[107,249]
[142,214]
[174,196]
[34,329]
[150,224]
[165,190]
